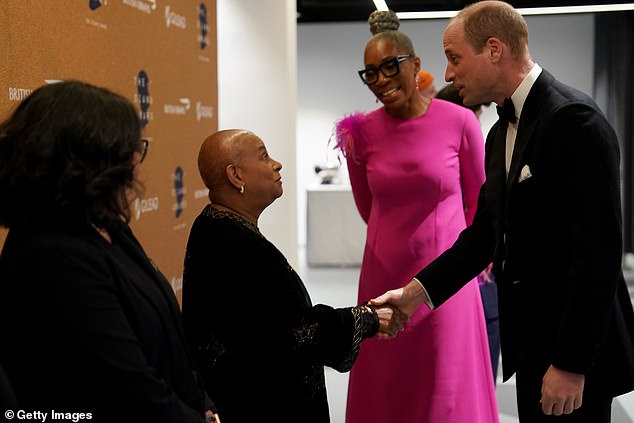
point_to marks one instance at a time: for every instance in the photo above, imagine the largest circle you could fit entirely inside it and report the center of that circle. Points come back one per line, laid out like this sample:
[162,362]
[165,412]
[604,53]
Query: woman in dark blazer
[549,217]
[88,324]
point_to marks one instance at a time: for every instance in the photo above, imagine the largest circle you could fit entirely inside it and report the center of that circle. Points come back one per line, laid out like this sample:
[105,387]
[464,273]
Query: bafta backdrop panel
[162,56]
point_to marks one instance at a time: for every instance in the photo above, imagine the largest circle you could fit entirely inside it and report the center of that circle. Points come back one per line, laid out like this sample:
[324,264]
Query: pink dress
[409,179]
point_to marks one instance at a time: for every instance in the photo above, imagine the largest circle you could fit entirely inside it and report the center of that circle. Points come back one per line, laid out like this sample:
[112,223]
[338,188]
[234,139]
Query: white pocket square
[525,174]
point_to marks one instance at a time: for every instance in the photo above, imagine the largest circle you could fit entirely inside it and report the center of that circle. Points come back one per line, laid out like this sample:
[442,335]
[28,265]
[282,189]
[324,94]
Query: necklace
[215,212]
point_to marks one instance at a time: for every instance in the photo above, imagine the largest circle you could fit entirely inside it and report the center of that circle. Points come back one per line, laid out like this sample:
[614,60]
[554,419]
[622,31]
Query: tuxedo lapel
[496,173]
[527,125]
[524,135]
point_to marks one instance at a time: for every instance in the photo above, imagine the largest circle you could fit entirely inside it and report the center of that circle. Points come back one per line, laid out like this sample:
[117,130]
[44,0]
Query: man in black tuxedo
[548,217]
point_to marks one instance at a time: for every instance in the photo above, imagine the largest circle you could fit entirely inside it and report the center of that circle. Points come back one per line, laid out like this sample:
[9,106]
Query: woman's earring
[242,190]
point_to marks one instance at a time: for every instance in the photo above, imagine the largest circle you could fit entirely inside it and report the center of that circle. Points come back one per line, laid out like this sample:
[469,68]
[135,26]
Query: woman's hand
[391,321]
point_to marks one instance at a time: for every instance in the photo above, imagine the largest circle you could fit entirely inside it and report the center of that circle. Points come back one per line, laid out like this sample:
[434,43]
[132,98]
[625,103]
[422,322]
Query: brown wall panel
[161,55]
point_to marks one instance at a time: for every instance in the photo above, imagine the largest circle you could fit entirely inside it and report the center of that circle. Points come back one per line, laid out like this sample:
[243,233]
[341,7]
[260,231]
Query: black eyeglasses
[144,145]
[389,68]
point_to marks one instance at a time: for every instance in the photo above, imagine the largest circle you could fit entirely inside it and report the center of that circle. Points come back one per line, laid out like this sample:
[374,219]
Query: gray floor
[337,286]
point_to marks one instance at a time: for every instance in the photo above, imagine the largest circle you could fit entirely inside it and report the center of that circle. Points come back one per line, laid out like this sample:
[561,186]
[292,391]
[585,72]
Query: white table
[335,234]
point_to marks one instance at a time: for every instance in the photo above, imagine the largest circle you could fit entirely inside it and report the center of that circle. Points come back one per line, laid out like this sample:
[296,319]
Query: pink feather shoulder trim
[346,131]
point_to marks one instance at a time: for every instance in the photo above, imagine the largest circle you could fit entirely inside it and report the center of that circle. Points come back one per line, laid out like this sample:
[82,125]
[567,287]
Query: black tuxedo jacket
[553,232]
[91,327]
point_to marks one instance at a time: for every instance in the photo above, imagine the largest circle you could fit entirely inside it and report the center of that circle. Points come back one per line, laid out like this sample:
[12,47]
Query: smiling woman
[416,166]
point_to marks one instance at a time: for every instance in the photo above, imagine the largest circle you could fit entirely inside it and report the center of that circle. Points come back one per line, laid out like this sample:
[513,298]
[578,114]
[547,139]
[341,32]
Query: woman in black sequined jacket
[259,342]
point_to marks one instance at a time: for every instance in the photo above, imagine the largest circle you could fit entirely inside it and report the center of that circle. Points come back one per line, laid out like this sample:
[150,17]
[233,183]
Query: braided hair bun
[383,20]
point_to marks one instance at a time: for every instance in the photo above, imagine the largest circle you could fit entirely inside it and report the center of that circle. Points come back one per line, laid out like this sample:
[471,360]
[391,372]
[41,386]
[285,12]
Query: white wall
[257,90]
[329,54]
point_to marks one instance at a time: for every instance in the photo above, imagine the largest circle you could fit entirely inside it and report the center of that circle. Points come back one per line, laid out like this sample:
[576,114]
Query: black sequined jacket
[259,342]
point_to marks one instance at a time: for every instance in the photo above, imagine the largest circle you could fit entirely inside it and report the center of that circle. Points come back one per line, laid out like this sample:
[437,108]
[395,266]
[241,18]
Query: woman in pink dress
[416,166]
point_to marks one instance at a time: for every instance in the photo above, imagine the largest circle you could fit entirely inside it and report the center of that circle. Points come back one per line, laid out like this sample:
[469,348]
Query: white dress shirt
[518,98]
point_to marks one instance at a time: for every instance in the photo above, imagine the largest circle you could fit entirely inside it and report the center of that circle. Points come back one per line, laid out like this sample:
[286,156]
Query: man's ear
[234,174]
[495,48]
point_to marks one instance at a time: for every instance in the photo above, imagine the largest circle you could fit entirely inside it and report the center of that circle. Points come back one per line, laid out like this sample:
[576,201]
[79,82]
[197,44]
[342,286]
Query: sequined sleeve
[366,324]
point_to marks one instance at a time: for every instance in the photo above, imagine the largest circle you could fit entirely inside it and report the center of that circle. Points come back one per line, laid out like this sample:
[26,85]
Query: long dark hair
[67,154]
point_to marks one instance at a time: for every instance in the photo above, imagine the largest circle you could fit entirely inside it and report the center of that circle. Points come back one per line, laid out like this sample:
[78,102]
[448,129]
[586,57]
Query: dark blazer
[92,327]
[553,232]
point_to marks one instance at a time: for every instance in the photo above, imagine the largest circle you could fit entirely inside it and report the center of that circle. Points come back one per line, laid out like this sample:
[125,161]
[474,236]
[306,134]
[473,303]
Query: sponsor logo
[201,193]
[179,191]
[178,109]
[96,24]
[19,94]
[174,19]
[204,112]
[143,97]
[96,4]
[146,6]
[202,25]
[145,205]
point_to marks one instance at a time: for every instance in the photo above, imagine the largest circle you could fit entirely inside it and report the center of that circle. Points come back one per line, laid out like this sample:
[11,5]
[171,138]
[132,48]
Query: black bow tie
[507,111]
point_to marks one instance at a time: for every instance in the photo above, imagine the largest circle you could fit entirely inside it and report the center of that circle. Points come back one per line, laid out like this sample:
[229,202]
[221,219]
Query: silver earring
[242,190]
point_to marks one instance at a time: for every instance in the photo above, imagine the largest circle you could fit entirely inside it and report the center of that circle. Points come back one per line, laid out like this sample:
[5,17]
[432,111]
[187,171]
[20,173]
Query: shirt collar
[520,94]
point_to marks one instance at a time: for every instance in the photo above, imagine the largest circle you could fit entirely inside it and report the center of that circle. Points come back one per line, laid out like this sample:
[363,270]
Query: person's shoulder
[202,225]
[448,111]
[55,241]
[447,106]
[441,102]
[218,230]
[557,94]
[352,122]
[62,260]
[352,130]
[563,106]
[566,94]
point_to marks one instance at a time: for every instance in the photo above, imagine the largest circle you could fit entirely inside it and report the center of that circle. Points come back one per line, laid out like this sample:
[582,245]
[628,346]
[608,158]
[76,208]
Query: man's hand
[562,391]
[391,320]
[405,299]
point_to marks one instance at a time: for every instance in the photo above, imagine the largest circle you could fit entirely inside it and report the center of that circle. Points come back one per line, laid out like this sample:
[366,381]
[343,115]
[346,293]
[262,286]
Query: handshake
[395,307]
